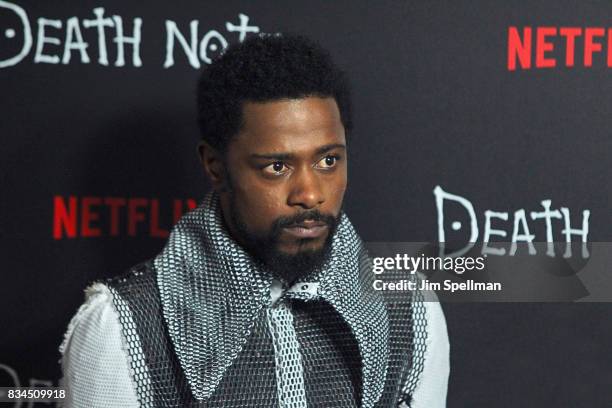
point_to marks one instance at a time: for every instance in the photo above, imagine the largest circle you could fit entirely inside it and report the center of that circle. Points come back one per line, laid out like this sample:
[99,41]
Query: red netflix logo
[552,46]
[75,217]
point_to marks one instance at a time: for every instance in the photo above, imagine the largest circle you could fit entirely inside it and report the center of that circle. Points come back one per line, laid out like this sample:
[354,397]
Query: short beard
[264,248]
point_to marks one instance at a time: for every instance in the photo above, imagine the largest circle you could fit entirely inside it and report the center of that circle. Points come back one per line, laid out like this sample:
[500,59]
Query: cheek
[336,190]
[259,207]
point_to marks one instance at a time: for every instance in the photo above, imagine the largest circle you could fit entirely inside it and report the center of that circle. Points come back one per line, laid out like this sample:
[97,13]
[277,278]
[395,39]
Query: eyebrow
[287,156]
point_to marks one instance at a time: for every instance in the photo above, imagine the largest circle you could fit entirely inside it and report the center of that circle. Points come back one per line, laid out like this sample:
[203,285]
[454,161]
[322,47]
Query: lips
[307,229]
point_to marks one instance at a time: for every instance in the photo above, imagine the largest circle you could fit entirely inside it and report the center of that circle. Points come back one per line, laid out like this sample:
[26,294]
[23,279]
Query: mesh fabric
[207,337]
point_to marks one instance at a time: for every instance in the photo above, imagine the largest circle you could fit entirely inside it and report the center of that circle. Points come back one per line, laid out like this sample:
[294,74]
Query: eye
[328,161]
[277,168]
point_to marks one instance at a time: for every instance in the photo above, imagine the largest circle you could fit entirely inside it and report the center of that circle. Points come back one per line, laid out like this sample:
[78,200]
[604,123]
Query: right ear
[212,162]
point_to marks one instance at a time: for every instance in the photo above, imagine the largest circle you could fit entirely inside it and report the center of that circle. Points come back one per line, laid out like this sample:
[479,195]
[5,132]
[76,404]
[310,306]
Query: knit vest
[332,363]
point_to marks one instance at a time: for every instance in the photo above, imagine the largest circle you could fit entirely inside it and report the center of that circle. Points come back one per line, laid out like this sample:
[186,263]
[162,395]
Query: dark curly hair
[265,68]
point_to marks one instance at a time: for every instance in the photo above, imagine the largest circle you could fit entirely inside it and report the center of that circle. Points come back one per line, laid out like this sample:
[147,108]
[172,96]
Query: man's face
[287,173]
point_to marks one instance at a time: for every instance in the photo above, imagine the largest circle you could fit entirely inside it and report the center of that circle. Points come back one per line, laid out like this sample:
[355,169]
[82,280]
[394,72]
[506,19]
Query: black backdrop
[435,104]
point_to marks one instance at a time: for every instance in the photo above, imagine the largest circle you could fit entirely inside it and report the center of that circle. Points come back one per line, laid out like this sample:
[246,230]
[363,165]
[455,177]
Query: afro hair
[265,68]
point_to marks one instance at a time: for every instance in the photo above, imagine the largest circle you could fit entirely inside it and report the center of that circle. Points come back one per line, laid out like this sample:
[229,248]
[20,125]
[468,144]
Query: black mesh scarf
[358,348]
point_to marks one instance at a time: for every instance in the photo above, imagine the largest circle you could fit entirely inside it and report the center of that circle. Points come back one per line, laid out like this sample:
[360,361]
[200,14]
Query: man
[262,296]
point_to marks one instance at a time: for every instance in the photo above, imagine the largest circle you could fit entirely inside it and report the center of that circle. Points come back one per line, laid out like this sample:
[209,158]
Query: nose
[306,189]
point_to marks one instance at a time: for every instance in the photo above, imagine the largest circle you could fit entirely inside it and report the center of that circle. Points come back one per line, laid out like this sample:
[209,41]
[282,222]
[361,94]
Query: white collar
[210,286]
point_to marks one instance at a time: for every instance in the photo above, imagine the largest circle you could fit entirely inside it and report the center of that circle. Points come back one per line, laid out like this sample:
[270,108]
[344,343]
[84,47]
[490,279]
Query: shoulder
[431,360]
[95,316]
[94,357]
[138,273]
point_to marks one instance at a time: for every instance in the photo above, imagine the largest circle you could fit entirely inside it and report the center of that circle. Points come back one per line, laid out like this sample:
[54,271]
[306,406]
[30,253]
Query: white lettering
[120,39]
[190,49]
[488,231]
[43,39]
[100,22]
[10,33]
[548,216]
[205,45]
[568,232]
[442,195]
[520,219]
[243,28]
[74,31]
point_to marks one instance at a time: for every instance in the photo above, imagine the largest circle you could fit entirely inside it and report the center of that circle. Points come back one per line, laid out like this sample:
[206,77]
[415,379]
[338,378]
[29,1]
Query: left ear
[212,162]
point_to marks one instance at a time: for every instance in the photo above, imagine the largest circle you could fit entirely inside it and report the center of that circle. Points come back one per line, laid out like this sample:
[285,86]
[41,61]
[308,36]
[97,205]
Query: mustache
[310,215]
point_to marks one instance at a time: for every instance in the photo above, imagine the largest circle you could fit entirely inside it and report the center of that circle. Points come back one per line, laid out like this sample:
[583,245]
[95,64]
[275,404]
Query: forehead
[290,125]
